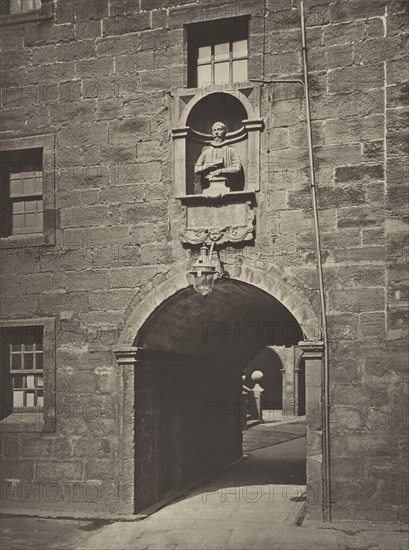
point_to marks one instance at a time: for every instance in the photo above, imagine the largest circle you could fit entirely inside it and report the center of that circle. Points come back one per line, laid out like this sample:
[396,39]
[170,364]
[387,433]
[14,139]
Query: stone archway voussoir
[140,310]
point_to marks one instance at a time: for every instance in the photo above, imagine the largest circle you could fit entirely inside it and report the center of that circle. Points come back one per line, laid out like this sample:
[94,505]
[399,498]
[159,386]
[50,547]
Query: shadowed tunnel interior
[235,322]
[188,383]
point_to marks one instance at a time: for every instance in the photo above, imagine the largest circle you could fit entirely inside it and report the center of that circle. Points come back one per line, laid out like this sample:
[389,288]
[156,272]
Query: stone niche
[216,138]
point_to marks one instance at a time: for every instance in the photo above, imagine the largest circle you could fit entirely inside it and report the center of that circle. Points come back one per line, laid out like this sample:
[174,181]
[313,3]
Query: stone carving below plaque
[193,232]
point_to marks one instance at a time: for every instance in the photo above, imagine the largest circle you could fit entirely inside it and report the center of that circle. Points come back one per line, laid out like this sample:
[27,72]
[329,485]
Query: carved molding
[126,356]
[312,349]
[220,235]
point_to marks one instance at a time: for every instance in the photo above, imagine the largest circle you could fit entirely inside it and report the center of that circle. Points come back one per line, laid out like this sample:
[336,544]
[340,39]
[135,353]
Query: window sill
[23,241]
[208,198]
[26,422]
[46,13]
[222,87]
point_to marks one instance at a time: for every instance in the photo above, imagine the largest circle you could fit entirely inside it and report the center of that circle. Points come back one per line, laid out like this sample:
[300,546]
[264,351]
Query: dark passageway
[188,384]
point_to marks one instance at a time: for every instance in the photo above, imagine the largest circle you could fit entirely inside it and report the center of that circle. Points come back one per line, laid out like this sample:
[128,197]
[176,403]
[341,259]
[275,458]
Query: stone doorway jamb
[313,354]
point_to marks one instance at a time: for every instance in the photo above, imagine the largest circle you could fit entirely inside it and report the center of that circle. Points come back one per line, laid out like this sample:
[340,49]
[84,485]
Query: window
[27,191]
[218,52]
[22,371]
[27,375]
[22,192]
[10,7]
[222,63]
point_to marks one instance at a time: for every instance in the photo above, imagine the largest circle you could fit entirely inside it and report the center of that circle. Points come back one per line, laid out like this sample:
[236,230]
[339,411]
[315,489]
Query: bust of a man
[218,161]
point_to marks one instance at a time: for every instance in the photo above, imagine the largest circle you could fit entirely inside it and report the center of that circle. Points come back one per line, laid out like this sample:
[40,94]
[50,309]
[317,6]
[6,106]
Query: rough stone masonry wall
[100,77]
[359,127]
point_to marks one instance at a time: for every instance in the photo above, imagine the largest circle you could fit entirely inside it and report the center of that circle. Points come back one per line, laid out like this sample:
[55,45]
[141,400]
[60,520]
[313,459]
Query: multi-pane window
[26,373]
[22,371]
[10,7]
[222,63]
[218,52]
[22,192]
[26,194]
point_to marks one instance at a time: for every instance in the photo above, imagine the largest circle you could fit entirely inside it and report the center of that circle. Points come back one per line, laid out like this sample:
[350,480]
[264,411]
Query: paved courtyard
[258,503]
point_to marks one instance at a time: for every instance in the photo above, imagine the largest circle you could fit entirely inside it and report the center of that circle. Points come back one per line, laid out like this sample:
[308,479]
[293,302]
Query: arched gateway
[182,356]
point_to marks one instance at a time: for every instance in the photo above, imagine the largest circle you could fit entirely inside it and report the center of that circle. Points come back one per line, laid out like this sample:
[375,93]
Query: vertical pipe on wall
[324,329]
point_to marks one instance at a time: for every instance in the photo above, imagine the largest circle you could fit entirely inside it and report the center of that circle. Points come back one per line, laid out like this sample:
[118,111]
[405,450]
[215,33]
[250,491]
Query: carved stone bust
[218,163]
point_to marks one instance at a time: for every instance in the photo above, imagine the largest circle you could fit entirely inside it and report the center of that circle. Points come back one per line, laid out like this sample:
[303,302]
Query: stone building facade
[108,355]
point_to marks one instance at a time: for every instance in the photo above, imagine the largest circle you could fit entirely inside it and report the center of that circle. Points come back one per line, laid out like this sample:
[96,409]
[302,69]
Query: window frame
[212,33]
[24,373]
[44,12]
[47,144]
[22,6]
[213,62]
[38,419]
[16,167]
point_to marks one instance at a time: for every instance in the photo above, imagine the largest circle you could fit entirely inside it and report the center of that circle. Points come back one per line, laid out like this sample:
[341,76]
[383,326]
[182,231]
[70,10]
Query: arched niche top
[229,108]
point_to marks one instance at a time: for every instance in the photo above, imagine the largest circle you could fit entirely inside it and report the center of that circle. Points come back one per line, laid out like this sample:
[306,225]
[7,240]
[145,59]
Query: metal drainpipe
[326,405]
[324,329]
